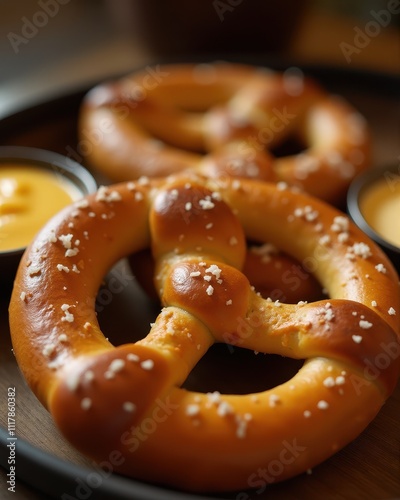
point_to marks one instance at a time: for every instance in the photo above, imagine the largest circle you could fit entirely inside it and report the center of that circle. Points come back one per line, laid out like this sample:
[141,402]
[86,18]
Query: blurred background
[48,47]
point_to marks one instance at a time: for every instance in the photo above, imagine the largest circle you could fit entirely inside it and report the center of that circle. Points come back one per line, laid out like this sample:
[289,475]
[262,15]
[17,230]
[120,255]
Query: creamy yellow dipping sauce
[29,197]
[380,206]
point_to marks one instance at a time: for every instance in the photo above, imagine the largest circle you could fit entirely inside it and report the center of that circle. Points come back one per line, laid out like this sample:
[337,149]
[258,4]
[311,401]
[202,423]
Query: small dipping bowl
[33,183]
[373,202]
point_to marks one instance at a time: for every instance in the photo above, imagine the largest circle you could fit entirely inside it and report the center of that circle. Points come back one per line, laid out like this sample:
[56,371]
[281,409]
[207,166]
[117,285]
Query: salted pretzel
[128,399]
[163,119]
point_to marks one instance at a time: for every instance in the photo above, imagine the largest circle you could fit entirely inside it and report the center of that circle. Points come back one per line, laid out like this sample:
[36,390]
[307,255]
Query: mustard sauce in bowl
[35,184]
[373,202]
[380,206]
[29,196]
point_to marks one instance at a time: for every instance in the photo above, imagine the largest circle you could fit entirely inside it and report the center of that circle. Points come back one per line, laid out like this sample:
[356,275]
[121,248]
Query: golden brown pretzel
[128,400]
[158,121]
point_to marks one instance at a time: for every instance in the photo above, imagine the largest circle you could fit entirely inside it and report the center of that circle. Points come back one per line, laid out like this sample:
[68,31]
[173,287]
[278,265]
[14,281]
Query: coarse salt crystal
[34,270]
[116,365]
[329,382]
[224,409]
[138,196]
[60,267]
[365,325]
[86,403]
[72,382]
[206,204]
[67,315]
[324,240]
[48,350]
[66,240]
[147,364]
[241,428]
[129,407]
[192,410]
[274,399]
[381,268]
[340,223]
[52,238]
[71,252]
[361,249]
[340,380]
[143,180]
[84,203]
[104,194]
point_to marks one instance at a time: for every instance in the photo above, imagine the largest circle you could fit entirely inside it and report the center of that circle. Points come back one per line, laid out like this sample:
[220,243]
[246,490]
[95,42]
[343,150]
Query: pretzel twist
[159,121]
[273,274]
[128,400]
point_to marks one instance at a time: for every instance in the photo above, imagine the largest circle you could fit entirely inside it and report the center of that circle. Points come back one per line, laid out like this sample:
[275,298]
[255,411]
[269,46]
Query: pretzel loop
[128,401]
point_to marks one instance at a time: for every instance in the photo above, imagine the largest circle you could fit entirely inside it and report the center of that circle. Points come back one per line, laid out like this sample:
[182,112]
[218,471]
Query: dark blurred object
[181,27]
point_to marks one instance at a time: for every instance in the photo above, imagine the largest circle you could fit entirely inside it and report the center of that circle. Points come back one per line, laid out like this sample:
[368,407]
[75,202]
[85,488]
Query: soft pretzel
[163,119]
[128,400]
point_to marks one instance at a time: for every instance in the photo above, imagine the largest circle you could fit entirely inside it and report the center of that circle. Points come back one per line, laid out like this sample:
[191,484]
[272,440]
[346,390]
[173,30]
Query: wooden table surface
[367,469]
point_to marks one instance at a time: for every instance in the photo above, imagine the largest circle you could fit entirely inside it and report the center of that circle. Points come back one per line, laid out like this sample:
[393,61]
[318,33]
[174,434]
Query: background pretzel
[163,119]
[128,399]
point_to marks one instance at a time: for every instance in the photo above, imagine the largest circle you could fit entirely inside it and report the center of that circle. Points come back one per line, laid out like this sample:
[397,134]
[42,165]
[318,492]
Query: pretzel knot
[127,401]
[225,119]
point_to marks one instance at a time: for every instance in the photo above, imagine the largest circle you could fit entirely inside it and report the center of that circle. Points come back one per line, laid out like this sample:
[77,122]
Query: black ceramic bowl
[38,158]
[387,178]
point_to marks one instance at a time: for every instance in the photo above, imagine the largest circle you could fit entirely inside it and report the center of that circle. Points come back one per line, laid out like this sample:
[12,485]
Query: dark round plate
[367,468]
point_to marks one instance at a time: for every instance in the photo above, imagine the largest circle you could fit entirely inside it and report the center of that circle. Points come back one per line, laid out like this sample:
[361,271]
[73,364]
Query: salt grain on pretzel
[133,401]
